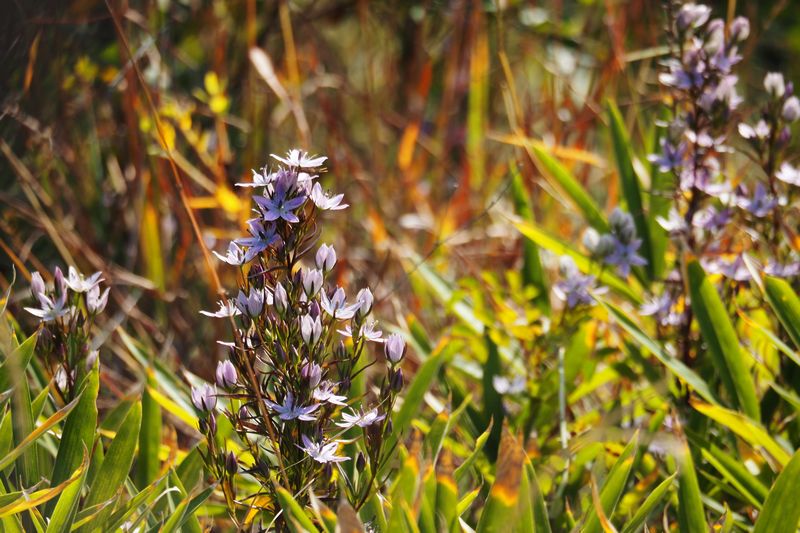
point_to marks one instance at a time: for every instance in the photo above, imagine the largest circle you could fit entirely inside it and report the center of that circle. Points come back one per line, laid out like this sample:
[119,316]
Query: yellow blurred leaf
[212,84]
[228,200]
[218,104]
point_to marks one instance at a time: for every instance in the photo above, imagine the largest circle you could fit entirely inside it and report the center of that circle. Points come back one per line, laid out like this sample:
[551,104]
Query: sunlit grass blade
[541,520]
[786,304]
[147,463]
[446,493]
[674,365]
[118,459]
[558,174]
[614,486]
[67,505]
[735,473]
[656,497]
[464,467]
[781,513]
[295,511]
[748,430]
[532,270]
[722,342]
[691,515]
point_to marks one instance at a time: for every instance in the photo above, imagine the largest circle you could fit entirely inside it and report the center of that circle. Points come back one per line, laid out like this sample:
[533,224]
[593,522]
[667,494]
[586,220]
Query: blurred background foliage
[429,112]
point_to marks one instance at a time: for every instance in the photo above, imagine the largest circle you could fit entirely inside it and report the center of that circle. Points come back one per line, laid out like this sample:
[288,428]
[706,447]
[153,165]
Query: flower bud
[397,380]
[791,109]
[774,84]
[361,462]
[96,302]
[312,373]
[281,299]
[692,16]
[326,258]
[312,282]
[740,29]
[341,350]
[37,286]
[243,413]
[394,348]
[231,464]
[204,397]
[364,300]
[313,310]
[212,424]
[226,375]
[310,329]
[91,359]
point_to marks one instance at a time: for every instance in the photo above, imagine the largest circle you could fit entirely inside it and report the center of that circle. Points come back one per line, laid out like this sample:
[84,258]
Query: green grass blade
[501,511]
[558,174]
[691,516]
[720,337]
[614,486]
[653,500]
[147,463]
[532,270]
[673,364]
[781,512]
[118,459]
[786,304]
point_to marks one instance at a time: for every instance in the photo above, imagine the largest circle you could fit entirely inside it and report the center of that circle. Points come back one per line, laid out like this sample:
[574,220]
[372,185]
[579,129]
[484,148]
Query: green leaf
[532,270]
[691,516]
[464,467]
[558,174]
[781,512]
[295,511]
[751,432]
[15,362]
[631,188]
[541,520]
[501,511]
[67,505]
[786,304]
[147,463]
[653,500]
[720,337]
[28,465]
[614,486]
[118,459]
[672,363]
[79,430]
[625,288]
[492,402]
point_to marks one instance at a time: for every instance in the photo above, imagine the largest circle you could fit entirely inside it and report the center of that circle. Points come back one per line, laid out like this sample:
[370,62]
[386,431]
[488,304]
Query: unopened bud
[361,462]
[231,464]
[397,380]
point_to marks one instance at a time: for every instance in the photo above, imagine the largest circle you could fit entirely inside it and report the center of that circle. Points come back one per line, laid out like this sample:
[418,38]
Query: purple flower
[761,131]
[336,306]
[663,308]
[671,157]
[788,174]
[324,393]
[574,287]
[732,269]
[226,375]
[740,29]
[786,270]
[503,385]
[394,348]
[312,373]
[253,303]
[261,238]
[711,219]
[96,302]
[226,309]
[279,205]
[325,202]
[760,205]
[299,159]
[360,419]
[624,256]
[326,258]
[674,223]
[50,308]
[289,410]
[204,397]
[367,331]
[78,283]
[235,256]
[281,298]
[259,179]
[321,452]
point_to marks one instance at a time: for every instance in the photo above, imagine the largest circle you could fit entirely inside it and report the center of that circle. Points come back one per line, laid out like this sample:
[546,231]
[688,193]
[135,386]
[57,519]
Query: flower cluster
[293,385]
[717,215]
[619,247]
[67,312]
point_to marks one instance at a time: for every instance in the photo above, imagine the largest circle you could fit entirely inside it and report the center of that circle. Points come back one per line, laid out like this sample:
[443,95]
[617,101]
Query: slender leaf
[781,512]
[786,304]
[653,500]
[614,486]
